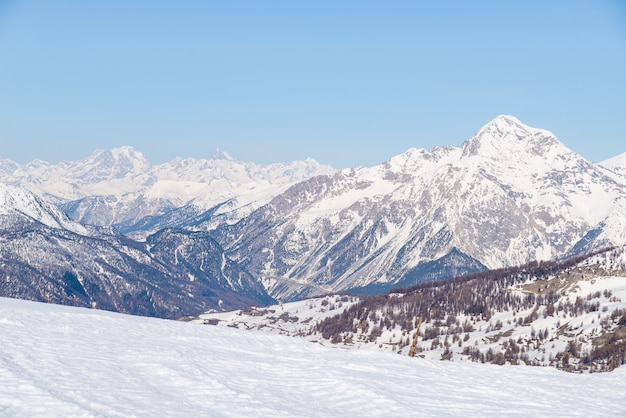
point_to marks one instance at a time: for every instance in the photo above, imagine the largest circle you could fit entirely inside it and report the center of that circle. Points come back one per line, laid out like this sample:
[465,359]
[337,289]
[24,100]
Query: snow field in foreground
[60,361]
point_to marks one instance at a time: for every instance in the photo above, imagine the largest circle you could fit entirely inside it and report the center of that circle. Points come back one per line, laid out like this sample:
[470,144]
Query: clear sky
[345,82]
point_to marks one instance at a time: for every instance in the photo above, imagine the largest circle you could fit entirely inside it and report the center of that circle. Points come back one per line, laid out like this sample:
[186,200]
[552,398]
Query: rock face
[508,195]
[45,256]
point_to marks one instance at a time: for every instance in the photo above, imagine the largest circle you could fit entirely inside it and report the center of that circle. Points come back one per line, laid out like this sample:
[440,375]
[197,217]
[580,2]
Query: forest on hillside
[451,309]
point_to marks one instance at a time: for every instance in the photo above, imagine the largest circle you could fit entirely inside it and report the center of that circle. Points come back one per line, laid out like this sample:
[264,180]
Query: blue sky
[345,82]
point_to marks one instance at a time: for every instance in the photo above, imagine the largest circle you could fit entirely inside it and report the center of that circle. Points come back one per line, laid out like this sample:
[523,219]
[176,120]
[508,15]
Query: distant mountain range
[120,187]
[509,195]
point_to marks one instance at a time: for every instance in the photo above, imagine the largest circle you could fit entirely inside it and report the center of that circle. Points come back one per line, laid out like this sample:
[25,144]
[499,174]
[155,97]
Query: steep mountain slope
[19,208]
[508,195]
[569,315]
[120,187]
[45,256]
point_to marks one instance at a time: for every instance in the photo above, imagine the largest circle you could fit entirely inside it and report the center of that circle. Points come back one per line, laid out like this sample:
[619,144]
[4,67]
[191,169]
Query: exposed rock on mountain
[616,164]
[508,195]
[45,256]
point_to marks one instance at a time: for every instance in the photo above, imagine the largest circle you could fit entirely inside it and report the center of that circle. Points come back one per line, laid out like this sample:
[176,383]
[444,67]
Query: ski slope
[63,361]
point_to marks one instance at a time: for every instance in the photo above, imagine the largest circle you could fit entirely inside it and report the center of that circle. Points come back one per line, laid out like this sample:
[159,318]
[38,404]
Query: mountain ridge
[121,186]
[372,225]
[45,256]
[508,195]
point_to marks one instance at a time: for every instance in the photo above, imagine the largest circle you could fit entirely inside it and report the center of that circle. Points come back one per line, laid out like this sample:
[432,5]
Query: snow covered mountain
[508,195]
[45,256]
[617,164]
[19,207]
[62,361]
[120,186]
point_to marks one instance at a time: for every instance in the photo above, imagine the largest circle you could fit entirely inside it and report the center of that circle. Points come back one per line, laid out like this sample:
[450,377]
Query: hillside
[62,361]
[569,315]
[45,256]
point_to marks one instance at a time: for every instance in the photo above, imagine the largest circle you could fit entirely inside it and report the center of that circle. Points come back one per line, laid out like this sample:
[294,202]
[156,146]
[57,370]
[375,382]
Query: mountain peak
[504,126]
[108,164]
[221,155]
[127,152]
[506,134]
[508,119]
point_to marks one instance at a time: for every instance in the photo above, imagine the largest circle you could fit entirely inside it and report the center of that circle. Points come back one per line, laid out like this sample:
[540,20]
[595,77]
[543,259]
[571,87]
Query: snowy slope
[617,164]
[19,204]
[61,361]
[506,196]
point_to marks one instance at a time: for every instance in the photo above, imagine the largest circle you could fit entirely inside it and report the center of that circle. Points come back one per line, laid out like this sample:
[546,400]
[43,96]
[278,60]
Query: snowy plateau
[61,361]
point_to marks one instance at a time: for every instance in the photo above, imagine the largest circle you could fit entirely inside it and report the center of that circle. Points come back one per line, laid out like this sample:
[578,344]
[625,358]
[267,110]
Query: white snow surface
[63,361]
[19,202]
[617,164]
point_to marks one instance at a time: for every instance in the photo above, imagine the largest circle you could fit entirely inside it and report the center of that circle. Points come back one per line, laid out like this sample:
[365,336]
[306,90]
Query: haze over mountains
[120,186]
[509,195]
